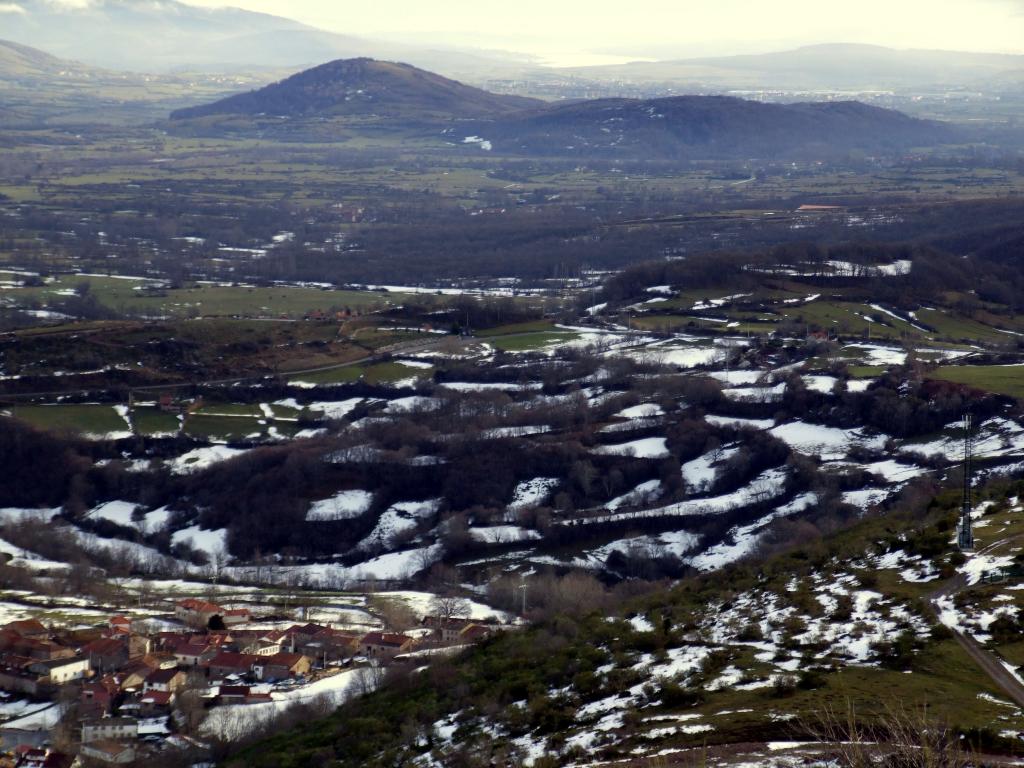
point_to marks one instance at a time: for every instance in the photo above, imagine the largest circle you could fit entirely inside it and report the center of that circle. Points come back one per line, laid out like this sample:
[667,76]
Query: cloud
[11,8]
[69,5]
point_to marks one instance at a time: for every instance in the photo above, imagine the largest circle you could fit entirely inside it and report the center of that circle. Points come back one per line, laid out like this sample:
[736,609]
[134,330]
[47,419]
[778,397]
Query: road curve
[989,662]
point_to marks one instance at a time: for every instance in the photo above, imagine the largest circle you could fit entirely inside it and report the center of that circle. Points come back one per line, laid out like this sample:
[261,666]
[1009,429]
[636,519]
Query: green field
[532,326]
[849,319]
[207,300]
[381,373]
[152,421]
[961,328]
[229,409]
[528,342]
[89,419]
[1002,379]
[219,428]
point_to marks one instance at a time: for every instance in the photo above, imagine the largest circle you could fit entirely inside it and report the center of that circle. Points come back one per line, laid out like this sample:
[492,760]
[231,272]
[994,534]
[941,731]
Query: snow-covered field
[343,505]
[646,448]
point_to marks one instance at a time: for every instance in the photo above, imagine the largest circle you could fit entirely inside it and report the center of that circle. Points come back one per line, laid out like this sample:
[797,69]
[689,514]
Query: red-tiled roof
[198,606]
[26,626]
[385,638]
[234,660]
[287,660]
[103,647]
[158,698]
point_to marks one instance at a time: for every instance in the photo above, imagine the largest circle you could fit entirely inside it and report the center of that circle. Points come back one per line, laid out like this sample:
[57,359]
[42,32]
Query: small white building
[61,671]
[110,729]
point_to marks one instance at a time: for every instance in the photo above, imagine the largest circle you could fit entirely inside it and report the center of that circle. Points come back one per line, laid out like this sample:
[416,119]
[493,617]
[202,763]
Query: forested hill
[709,126]
[353,87]
[682,127]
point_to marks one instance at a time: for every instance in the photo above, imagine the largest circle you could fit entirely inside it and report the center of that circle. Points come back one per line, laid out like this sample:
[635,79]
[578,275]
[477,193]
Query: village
[120,693]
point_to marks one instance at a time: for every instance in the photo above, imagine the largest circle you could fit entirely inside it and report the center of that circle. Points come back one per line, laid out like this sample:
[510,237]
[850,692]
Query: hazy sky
[566,29]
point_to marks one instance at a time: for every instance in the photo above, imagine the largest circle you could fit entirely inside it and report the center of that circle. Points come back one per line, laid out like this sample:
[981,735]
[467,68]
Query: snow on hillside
[700,473]
[343,505]
[739,423]
[118,512]
[646,448]
[643,494]
[503,534]
[742,540]
[213,543]
[772,394]
[769,485]
[827,442]
[678,543]
[643,411]
[336,409]
[996,438]
[202,458]
[532,493]
[398,519]
[237,721]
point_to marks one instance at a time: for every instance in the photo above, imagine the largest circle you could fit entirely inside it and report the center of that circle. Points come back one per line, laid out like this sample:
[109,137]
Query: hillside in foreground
[870,635]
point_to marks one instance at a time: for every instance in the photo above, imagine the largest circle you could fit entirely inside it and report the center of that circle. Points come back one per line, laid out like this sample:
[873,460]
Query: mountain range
[162,36]
[827,67]
[37,88]
[676,127]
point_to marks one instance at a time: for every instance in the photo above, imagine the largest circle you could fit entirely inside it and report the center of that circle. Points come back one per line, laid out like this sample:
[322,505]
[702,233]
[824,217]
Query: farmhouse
[165,680]
[281,666]
[194,653]
[378,645]
[196,613]
[228,663]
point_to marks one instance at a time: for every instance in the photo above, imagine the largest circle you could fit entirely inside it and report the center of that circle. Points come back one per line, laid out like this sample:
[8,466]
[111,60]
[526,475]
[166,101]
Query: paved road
[989,662]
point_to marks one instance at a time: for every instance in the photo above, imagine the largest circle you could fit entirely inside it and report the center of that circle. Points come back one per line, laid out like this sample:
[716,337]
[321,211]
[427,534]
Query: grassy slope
[565,652]
[1003,379]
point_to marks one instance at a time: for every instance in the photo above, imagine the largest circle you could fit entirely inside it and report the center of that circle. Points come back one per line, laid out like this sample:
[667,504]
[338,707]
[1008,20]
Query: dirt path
[989,662]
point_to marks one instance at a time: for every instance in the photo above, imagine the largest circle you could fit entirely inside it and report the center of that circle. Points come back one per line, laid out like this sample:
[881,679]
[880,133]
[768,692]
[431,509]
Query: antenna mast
[965,539]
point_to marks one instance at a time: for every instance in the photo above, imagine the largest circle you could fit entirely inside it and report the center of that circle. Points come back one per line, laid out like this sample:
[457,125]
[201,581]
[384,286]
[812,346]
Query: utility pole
[965,538]
[523,588]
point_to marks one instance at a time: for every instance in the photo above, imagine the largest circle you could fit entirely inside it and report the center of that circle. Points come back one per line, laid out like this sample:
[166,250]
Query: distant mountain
[364,87]
[37,87]
[21,61]
[167,35]
[399,95]
[707,126]
[825,67]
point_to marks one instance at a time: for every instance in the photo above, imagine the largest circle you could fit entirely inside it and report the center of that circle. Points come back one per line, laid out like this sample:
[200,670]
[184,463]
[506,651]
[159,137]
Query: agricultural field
[1004,379]
[146,298]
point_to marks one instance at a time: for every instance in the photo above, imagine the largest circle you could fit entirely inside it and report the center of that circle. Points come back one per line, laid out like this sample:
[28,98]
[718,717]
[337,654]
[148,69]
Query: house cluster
[35,664]
[136,692]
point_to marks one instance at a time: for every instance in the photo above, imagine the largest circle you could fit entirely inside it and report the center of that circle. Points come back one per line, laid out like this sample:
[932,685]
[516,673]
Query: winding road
[989,662]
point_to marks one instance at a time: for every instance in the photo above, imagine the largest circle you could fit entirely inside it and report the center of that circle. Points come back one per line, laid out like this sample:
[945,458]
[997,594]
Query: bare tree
[449,607]
[395,614]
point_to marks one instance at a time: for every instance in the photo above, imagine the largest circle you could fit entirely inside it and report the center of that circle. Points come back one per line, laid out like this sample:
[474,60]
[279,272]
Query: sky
[578,31]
